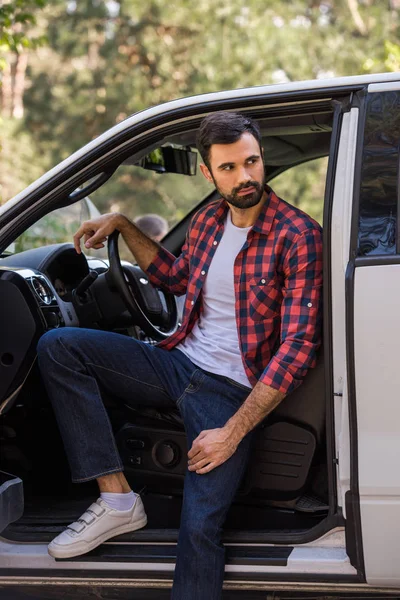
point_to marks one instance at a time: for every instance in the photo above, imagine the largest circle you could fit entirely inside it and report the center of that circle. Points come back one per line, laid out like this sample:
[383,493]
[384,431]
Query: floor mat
[310,503]
[45,516]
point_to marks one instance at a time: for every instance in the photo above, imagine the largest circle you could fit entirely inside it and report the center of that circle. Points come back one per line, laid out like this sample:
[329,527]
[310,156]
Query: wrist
[121,222]
[233,432]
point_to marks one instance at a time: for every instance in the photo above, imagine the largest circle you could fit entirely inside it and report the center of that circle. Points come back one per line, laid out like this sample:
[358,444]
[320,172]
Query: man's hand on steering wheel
[142,301]
[96,231]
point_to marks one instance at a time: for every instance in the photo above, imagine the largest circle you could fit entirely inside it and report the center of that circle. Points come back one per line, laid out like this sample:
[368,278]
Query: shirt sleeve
[169,272]
[301,314]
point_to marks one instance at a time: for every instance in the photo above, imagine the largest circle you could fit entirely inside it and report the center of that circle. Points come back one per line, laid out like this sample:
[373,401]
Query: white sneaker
[98,524]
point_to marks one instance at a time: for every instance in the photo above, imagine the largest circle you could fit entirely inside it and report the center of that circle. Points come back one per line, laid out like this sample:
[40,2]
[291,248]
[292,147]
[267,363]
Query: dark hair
[224,128]
[152,225]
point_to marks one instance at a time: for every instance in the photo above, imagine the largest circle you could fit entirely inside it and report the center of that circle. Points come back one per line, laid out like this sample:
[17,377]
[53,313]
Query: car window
[379,184]
[304,186]
[57,227]
[132,191]
[135,192]
[138,193]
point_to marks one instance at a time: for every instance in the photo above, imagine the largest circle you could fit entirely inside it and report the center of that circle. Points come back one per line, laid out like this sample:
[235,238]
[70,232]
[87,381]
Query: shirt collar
[265,218]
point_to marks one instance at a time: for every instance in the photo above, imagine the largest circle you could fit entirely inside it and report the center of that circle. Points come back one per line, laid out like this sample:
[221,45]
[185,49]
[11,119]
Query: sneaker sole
[84,547]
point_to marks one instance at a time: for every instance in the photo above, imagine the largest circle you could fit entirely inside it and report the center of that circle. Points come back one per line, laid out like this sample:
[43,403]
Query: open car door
[374,333]
[11,499]
[19,333]
[366,329]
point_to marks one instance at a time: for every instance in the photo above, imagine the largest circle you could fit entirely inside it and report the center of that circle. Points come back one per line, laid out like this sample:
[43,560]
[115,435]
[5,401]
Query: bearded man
[251,269]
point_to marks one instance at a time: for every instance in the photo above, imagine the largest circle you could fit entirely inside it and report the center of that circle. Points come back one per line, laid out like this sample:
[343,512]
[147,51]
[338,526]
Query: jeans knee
[50,346]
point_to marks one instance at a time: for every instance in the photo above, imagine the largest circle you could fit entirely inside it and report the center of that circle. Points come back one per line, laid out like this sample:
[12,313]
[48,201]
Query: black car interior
[285,488]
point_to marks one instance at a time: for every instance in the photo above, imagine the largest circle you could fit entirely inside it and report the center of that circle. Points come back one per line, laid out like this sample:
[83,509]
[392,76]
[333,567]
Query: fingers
[208,468]
[94,232]
[95,245]
[94,238]
[77,238]
[199,464]
[91,238]
[201,455]
[195,449]
[209,450]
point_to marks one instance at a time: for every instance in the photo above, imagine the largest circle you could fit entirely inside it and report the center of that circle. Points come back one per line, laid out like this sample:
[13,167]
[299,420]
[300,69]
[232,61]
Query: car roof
[262,90]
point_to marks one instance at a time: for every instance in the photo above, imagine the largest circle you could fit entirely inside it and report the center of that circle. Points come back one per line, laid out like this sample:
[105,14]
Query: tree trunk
[6,89]
[358,22]
[13,85]
[19,85]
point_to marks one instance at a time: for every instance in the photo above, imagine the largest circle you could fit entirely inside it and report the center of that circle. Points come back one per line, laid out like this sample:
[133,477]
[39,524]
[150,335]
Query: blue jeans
[78,365]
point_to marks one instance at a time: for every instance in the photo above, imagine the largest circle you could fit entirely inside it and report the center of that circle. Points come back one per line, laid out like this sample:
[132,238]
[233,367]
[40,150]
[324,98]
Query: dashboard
[53,286]
[53,273]
[47,288]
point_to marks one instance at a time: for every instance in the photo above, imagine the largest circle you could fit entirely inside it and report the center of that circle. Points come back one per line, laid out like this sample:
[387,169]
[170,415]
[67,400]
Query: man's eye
[251,161]
[228,168]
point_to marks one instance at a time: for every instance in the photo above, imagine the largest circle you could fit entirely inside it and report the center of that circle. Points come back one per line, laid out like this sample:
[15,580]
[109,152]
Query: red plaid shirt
[277,280]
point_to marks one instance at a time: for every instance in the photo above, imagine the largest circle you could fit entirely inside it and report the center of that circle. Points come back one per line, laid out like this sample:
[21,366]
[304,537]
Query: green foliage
[390,61]
[18,158]
[108,59]
[57,227]
[17,19]
[304,187]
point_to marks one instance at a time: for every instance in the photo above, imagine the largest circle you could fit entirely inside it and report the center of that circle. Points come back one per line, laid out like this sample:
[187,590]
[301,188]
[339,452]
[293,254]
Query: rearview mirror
[171,160]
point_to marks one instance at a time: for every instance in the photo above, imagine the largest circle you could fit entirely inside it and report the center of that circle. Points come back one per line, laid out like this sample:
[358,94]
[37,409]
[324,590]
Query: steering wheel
[153,310]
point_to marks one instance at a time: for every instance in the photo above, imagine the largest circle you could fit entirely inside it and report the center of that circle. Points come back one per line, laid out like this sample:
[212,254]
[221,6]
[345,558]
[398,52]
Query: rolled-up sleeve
[301,314]
[169,272]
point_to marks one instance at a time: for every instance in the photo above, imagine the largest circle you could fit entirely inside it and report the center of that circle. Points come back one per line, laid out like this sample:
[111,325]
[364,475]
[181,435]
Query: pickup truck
[318,511]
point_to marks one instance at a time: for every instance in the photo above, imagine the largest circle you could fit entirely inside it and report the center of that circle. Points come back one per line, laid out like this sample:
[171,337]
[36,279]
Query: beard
[247,200]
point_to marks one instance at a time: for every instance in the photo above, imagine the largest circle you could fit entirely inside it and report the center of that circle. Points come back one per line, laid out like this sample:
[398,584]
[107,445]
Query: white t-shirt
[213,343]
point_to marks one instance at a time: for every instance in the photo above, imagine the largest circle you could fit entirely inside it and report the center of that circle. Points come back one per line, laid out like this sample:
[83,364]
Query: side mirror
[171,160]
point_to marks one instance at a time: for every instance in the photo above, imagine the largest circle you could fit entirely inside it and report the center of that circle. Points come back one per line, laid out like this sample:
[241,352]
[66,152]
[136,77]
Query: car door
[11,499]
[19,335]
[366,280]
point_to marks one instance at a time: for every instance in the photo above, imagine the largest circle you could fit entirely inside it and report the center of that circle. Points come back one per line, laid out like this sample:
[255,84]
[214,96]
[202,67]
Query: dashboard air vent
[42,290]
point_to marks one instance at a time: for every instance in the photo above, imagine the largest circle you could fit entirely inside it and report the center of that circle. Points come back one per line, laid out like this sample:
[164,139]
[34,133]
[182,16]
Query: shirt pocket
[265,299]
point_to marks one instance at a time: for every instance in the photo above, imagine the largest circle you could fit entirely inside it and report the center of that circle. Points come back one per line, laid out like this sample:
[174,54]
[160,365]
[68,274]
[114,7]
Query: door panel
[340,248]
[377,369]
[374,325]
[11,499]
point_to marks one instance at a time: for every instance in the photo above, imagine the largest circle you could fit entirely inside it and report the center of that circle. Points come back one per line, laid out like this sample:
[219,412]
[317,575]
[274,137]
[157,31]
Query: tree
[106,59]
[18,35]
[17,25]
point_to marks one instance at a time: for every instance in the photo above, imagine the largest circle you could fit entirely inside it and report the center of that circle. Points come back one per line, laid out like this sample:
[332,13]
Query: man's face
[237,171]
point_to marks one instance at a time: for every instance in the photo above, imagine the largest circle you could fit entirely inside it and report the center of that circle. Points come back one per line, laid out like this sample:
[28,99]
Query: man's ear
[206,172]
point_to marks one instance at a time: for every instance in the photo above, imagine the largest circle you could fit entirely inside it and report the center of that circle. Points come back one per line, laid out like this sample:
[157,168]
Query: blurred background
[70,69]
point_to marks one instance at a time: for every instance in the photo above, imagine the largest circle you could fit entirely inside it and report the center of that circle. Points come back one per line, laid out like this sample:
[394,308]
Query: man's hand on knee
[211,448]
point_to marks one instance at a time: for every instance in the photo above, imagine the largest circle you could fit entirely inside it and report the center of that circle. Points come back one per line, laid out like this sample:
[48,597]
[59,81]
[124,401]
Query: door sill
[45,533]
[153,562]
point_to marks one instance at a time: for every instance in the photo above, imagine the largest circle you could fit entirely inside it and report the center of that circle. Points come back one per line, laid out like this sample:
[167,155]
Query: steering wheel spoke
[154,311]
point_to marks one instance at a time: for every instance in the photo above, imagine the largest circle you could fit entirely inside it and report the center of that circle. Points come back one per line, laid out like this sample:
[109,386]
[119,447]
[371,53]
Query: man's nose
[244,176]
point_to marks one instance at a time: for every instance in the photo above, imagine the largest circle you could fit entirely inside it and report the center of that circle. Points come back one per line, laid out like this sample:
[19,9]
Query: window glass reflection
[379,175]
